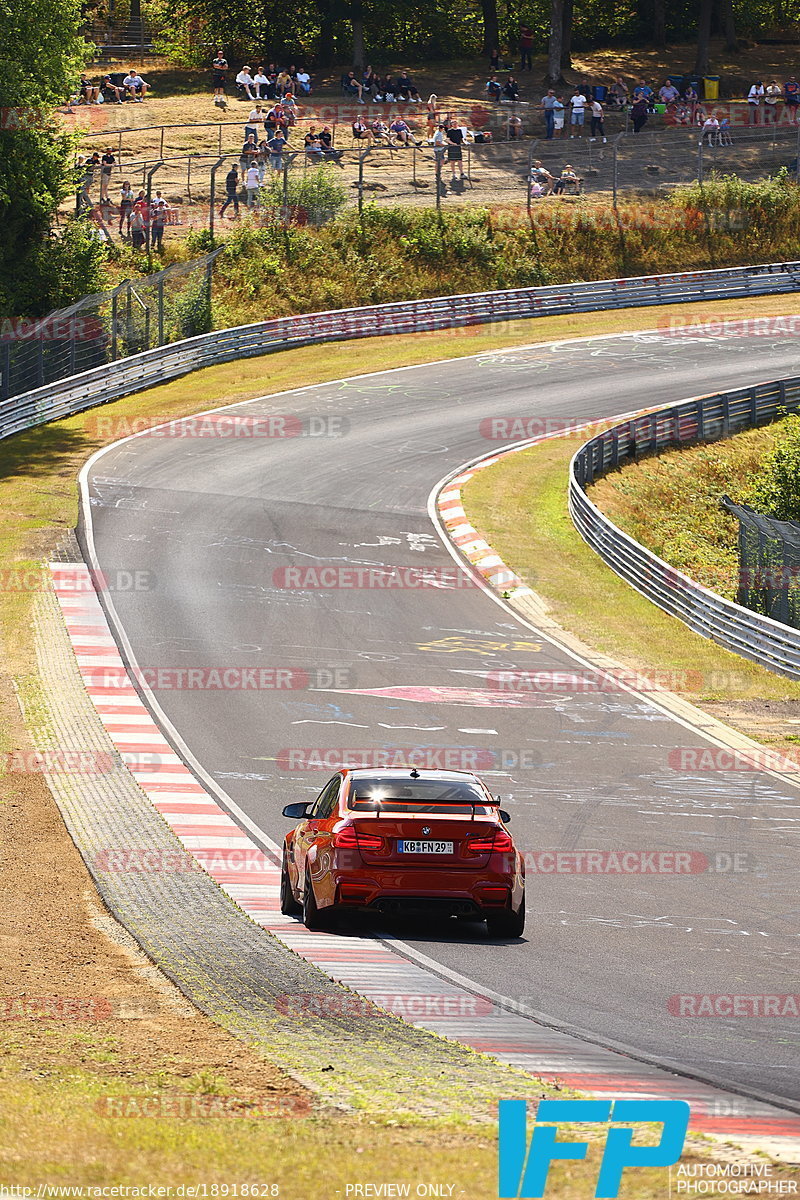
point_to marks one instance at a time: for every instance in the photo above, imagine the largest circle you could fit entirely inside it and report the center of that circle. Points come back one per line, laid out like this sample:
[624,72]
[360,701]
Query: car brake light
[498,842]
[350,838]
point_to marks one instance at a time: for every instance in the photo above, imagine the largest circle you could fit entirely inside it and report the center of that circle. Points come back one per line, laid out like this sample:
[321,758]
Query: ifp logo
[523,1170]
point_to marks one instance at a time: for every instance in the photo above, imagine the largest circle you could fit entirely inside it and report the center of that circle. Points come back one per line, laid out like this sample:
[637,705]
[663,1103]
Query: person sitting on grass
[245,85]
[541,176]
[514,127]
[110,92]
[303,81]
[493,88]
[406,89]
[511,90]
[87,91]
[135,86]
[388,89]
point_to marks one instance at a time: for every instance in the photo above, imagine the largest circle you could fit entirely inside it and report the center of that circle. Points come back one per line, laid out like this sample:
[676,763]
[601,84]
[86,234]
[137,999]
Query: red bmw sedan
[403,841]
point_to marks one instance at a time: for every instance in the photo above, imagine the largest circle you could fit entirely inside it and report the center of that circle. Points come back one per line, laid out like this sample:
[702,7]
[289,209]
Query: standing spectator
[558,117]
[134,85]
[548,106]
[578,102]
[754,98]
[791,91]
[143,204]
[125,206]
[276,146]
[598,126]
[431,113]
[619,92]
[772,96]
[439,141]
[245,84]
[231,192]
[219,69]
[83,178]
[158,219]
[304,81]
[494,61]
[511,90]
[639,113]
[514,127]
[525,47]
[255,119]
[252,185]
[137,227]
[455,137]
[249,153]
[106,167]
[261,81]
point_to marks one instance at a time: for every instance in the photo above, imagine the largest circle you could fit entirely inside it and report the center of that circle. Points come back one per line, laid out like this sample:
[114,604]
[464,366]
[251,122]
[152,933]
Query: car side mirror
[505,817]
[296,812]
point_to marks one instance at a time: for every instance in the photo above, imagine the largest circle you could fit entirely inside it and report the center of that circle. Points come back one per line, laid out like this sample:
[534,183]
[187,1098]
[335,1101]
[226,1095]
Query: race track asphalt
[214,520]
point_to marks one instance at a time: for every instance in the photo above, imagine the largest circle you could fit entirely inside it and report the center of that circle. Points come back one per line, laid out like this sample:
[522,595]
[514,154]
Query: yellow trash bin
[711,87]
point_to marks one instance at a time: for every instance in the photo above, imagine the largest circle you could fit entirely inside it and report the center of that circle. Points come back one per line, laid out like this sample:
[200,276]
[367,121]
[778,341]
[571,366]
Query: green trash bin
[711,87]
[660,108]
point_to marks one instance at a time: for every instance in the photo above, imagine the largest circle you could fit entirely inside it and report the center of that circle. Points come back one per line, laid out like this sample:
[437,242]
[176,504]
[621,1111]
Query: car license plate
[426,847]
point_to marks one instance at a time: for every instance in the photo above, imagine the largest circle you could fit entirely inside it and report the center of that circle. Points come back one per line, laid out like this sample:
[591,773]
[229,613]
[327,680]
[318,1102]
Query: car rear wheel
[508,923]
[289,906]
[312,917]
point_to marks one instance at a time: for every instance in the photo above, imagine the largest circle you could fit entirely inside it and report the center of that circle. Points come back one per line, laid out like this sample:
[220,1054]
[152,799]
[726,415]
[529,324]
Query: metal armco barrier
[79,392]
[757,637]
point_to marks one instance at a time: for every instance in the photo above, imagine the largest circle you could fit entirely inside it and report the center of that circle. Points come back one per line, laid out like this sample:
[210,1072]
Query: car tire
[289,906]
[507,924]
[312,917]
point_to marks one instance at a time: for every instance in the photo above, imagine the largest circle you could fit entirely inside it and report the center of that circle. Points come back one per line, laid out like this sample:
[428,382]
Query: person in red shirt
[525,47]
[791,90]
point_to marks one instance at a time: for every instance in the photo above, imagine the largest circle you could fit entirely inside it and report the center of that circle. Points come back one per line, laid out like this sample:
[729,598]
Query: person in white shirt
[134,85]
[245,84]
[710,130]
[598,126]
[252,183]
[754,98]
[578,102]
[303,80]
[773,94]
[260,82]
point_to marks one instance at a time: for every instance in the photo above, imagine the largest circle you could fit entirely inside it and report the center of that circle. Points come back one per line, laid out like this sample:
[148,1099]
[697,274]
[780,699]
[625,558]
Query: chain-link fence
[769,564]
[135,316]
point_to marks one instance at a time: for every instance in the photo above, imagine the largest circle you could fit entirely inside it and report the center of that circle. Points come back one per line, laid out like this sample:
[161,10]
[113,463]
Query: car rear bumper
[446,893]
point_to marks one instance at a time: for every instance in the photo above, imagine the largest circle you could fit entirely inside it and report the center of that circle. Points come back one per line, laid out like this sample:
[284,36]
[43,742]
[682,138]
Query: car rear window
[418,796]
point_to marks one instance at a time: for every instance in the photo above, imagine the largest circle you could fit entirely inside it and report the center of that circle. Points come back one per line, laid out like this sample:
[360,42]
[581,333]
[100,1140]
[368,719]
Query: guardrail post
[701,420]
[726,415]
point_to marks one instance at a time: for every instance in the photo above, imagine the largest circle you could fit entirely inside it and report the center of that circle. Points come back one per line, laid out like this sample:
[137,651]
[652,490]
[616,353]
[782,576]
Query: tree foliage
[40,56]
[775,491]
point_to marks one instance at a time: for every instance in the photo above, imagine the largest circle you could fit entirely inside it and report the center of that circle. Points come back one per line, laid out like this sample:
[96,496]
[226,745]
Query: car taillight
[498,842]
[350,838]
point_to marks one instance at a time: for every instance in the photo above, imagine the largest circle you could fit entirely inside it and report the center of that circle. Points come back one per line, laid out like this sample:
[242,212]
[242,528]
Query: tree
[566,35]
[556,43]
[41,53]
[728,23]
[703,37]
[660,23]
[491,26]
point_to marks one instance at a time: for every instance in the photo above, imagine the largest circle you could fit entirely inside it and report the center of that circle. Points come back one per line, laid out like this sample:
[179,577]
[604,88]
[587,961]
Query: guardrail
[750,634]
[115,379]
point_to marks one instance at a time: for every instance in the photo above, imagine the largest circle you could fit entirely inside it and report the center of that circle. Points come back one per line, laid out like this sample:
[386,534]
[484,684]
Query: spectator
[639,110]
[370,81]
[619,92]
[158,219]
[525,47]
[542,176]
[388,89]
[261,83]
[255,119]
[283,84]
[494,61]
[87,91]
[303,81]
[754,98]
[643,91]
[493,88]
[558,117]
[772,97]
[313,146]
[511,90]
[277,144]
[289,107]
[135,86]
[669,94]
[455,136]
[710,130]
[439,141]
[568,179]
[137,227]
[110,92]
[431,113]
[514,127]
[598,127]
[401,132]
[106,167]
[360,131]
[143,204]
[245,85]
[219,69]
[352,87]
[231,192]
[249,153]
[406,89]
[380,131]
[791,91]
[251,182]
[548,106]
[125,206]
[578,102]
